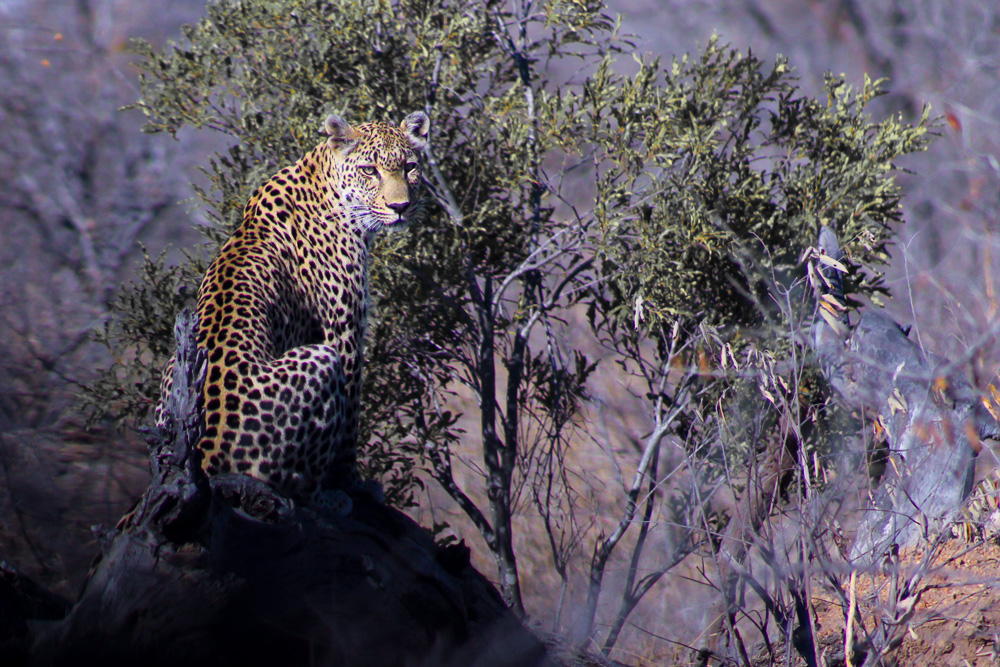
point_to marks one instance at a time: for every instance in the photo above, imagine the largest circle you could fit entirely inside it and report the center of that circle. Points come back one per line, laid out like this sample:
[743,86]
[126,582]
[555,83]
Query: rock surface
[933,421]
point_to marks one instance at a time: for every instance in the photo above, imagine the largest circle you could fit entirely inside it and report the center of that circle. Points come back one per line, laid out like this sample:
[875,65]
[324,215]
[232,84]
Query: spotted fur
[282,309]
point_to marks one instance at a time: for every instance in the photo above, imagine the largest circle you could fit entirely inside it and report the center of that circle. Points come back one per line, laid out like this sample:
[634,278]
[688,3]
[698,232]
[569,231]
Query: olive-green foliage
[141,338]
[719,173]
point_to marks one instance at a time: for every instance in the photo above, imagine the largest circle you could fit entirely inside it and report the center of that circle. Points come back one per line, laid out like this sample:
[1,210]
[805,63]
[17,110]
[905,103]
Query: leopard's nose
[399,206]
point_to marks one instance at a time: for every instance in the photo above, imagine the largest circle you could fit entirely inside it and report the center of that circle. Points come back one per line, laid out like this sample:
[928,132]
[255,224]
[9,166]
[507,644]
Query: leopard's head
[376,169]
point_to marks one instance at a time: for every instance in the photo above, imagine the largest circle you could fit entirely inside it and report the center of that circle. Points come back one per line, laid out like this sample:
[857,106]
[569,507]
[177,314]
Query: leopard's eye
[368,170]
[410,167]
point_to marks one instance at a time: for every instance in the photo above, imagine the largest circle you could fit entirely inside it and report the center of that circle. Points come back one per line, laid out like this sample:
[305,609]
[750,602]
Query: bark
[223,571]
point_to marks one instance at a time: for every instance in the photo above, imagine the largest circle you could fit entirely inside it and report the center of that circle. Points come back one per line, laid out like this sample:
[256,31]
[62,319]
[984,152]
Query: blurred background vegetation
[600,322]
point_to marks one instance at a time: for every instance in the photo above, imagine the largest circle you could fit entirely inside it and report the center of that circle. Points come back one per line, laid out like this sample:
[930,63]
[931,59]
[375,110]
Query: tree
[675,204]
[706,221]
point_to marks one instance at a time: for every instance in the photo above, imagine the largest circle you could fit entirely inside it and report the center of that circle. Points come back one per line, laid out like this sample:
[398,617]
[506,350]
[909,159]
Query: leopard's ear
[416,126]
[343,137]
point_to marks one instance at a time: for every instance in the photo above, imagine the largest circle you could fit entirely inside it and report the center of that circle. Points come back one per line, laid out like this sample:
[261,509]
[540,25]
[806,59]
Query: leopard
[283,308]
